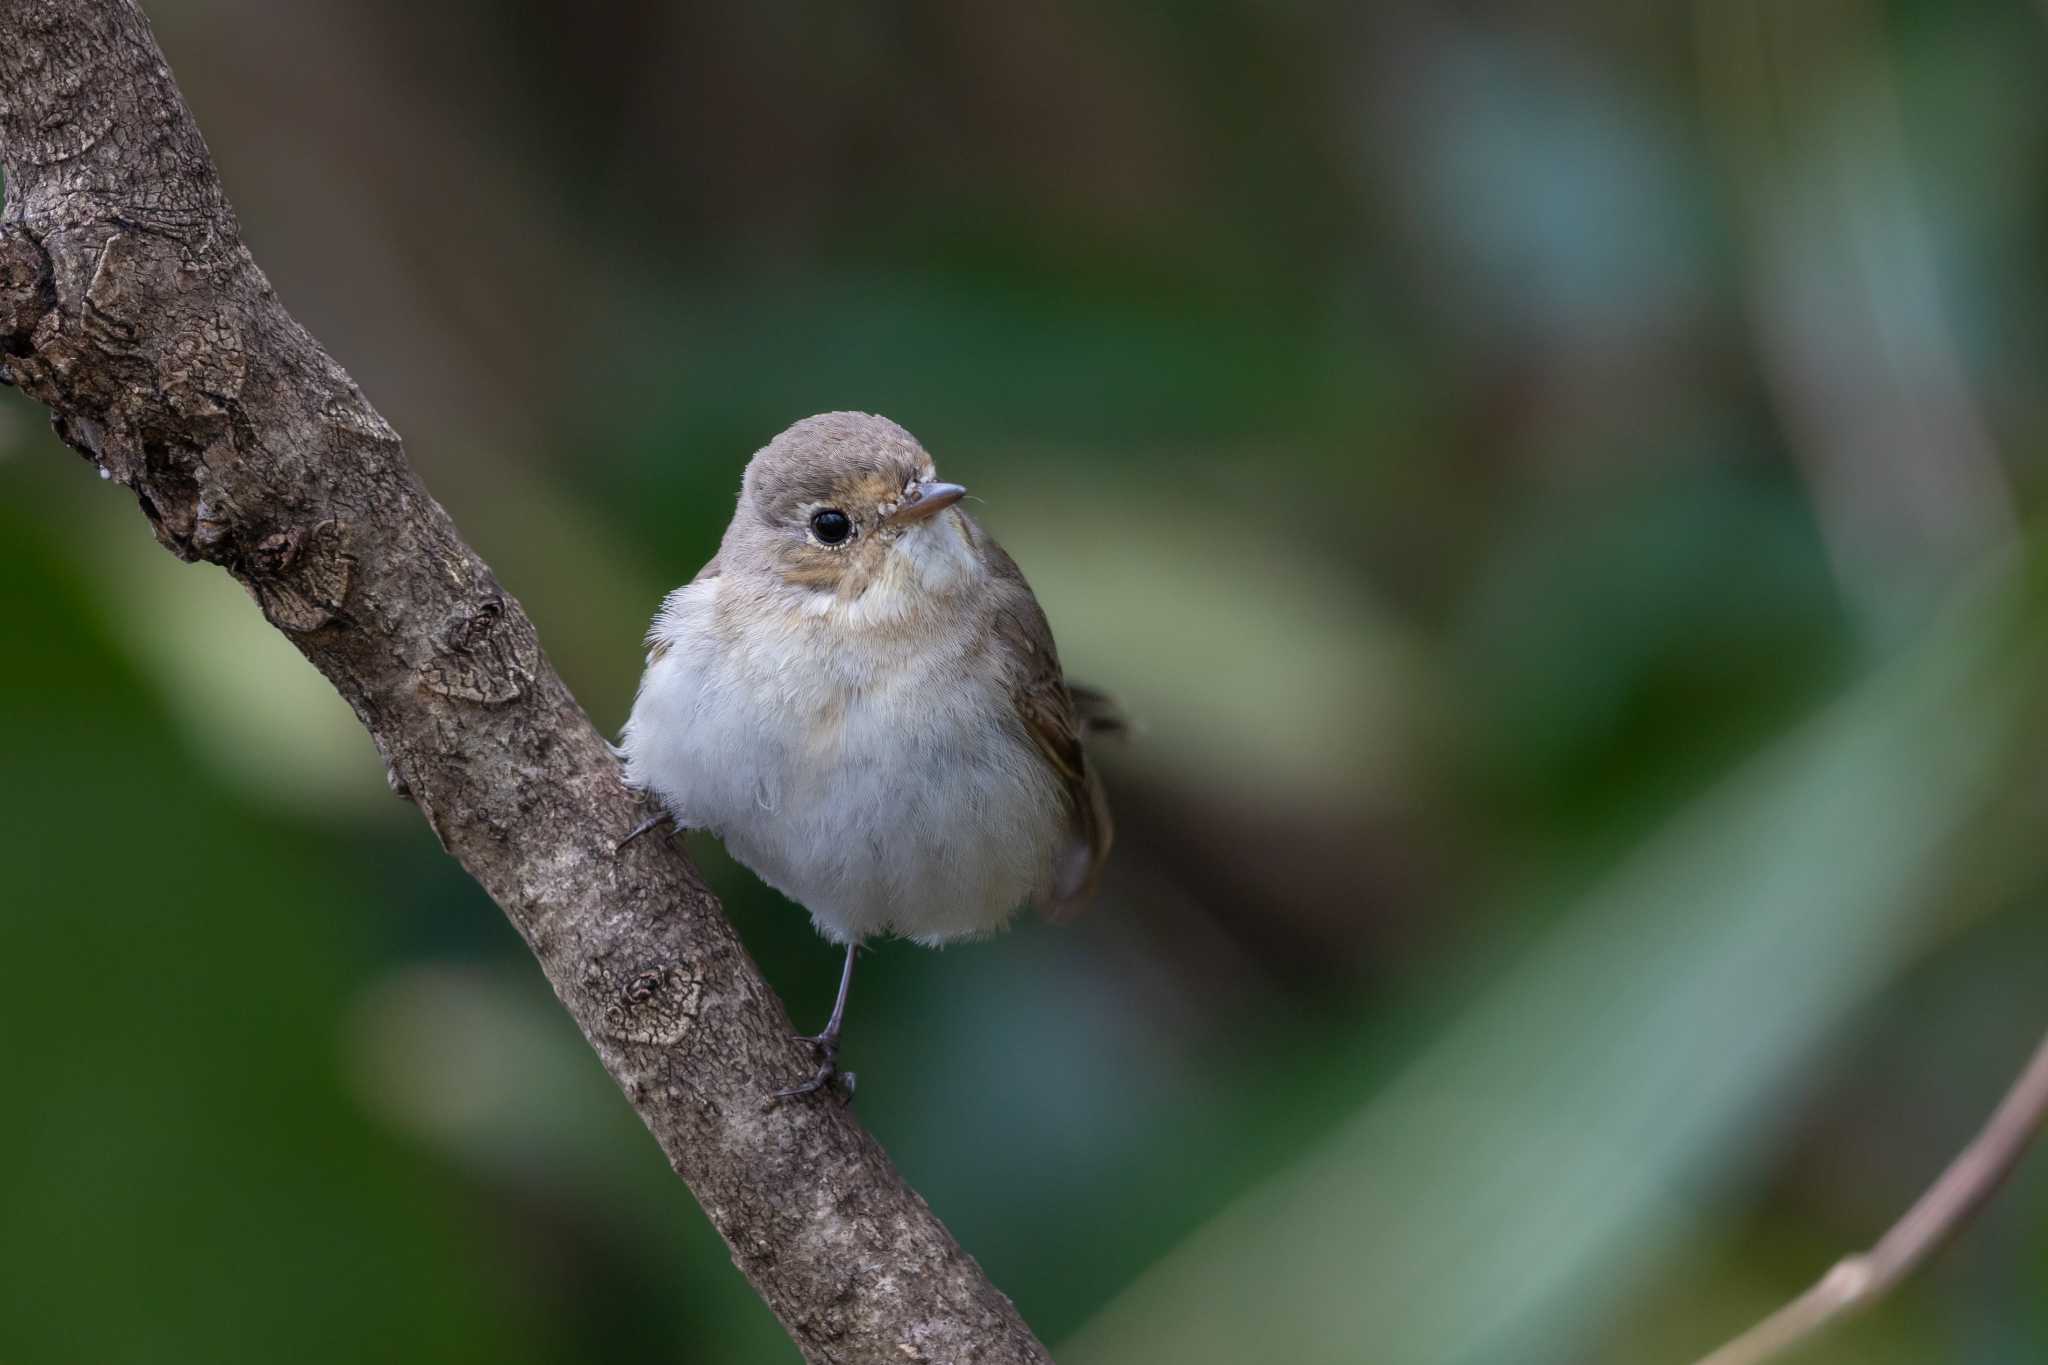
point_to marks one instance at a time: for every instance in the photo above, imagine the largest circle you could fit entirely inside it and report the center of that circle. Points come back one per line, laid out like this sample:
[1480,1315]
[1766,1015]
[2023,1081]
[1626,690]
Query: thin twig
[1856,1282]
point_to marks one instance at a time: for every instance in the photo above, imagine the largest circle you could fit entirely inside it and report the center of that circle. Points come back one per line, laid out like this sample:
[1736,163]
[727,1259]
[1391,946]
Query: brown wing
[1047,711]
[1097,711]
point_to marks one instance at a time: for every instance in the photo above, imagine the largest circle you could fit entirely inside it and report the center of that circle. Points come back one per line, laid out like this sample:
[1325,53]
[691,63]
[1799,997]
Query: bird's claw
[828,1074]
[651,822]
[826,1046]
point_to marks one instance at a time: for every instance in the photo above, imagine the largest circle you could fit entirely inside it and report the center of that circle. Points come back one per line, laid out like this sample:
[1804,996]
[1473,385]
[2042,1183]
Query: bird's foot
[827,1076]
[651,822]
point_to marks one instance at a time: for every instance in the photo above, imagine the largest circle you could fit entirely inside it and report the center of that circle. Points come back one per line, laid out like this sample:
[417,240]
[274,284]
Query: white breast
[879,785]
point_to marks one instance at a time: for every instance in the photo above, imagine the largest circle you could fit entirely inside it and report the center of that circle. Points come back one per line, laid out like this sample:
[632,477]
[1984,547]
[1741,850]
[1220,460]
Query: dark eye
[831,526]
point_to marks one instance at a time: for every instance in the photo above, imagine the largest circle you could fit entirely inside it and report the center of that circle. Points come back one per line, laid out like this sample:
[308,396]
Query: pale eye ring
[831,526]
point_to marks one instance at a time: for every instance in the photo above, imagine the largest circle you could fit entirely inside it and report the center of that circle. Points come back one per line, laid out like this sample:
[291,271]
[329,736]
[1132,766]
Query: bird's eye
[831,526]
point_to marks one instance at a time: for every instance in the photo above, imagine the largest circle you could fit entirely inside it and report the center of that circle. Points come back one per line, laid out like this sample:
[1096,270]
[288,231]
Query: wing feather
[1056,716]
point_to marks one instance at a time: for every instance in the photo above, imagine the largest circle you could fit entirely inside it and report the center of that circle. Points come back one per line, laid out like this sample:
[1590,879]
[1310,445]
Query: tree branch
[1856,1282]
[129,306]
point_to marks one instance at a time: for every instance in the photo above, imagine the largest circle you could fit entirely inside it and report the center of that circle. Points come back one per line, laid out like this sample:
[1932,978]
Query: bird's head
[848,506]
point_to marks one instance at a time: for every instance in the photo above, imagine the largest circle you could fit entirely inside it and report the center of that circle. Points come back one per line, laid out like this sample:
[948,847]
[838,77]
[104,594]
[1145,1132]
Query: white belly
[883,795]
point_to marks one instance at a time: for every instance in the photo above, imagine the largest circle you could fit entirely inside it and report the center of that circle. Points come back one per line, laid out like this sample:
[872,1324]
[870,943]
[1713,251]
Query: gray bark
[129,306]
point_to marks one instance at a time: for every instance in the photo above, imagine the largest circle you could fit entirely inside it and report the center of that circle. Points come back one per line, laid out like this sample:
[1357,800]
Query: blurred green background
[1554,482]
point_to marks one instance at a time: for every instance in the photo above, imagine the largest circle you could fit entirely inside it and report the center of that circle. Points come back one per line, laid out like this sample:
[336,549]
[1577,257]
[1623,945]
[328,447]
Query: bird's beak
[924,500]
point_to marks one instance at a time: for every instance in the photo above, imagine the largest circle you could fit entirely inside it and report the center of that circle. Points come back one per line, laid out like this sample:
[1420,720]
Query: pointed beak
[924,500]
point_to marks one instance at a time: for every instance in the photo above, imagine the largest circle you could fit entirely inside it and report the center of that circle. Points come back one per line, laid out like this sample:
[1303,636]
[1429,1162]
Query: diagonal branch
[129,306]
[1856,1282]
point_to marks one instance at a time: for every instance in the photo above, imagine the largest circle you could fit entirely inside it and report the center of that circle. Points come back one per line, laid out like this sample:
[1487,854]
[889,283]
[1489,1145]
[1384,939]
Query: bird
[860,696]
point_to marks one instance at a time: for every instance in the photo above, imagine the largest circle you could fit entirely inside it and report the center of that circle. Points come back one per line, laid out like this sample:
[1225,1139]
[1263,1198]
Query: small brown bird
[860,696]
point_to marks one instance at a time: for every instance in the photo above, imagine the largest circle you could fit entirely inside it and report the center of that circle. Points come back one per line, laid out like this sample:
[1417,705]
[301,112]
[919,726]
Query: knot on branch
[656,1005]
[299,577]
[128,334]
[27,293]
[152,297]
[487,656]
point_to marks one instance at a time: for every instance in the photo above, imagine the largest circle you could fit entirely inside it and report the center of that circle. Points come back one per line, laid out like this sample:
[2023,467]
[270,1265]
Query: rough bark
[129,305]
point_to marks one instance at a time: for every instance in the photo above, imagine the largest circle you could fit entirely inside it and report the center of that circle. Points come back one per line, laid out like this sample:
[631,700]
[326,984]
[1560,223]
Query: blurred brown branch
[129,305]
[1856,1282]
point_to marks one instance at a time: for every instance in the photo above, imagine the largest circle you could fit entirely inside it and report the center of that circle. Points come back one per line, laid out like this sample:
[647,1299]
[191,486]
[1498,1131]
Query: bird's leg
[829,1039]
[644,826]
[826,1044]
